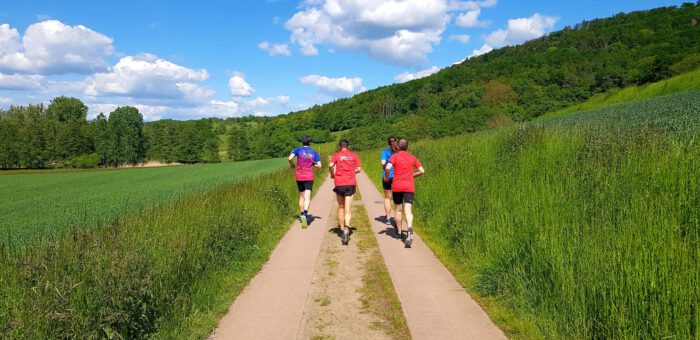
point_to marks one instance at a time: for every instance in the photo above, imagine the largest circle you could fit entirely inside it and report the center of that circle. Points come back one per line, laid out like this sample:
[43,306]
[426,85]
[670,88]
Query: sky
[195,59]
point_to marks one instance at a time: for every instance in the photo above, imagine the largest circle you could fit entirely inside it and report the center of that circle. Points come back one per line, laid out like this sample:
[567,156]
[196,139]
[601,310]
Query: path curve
[435,305]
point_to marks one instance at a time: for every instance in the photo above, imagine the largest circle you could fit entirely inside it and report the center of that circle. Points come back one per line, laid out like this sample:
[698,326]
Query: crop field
[587,225]
[47,205]
[167,271]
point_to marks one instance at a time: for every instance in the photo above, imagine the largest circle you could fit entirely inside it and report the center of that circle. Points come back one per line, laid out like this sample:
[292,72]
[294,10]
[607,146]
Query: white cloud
[406,76]
[471,19]
[338,86]
[4,101]
[20,82]
[397,32]
[463,38]
[454,5]
[275,49]
[486,48]
[521,30]
[239,86]
[149,77]
[51,47]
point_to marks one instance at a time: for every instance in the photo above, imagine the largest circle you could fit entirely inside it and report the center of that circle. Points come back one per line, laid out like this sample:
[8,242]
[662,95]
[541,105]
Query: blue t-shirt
[386,154]
[306,158]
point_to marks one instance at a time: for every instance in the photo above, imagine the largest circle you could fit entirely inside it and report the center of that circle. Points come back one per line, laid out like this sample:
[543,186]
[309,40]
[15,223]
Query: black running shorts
[305,185]
[403,197]
[387,184]
[345,190]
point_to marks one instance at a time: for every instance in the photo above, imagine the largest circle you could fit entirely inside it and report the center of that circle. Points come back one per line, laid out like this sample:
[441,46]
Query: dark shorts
[387,184]
[403,197]
[345,190]
[305,185]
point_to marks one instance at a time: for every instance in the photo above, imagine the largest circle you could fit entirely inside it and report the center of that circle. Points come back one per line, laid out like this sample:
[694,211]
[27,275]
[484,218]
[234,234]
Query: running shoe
[304,222]
[409,238]
[346,238]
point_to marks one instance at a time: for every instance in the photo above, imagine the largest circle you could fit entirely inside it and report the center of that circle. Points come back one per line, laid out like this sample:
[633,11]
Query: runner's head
[306,140]
[403,144]
[393,144]
[343,144]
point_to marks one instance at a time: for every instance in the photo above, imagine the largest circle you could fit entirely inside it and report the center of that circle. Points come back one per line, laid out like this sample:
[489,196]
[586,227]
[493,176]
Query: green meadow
[581,226]
[50,204]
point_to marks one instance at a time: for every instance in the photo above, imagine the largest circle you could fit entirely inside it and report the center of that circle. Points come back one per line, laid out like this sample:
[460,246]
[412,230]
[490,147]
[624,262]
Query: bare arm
[319,165]
[358,170]
[331,169]
[386,172]
[291,160]
[420,172]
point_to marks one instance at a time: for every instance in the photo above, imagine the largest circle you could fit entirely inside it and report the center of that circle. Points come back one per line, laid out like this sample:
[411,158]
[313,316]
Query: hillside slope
[511,83]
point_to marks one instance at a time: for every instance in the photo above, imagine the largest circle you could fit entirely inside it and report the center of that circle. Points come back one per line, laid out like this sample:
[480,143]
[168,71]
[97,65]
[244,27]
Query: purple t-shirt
[306,158]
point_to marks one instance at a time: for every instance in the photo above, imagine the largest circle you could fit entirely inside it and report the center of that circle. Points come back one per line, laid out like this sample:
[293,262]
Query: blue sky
[193,59]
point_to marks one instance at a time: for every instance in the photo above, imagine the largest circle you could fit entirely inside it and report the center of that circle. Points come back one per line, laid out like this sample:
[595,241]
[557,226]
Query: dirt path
[435,305]
[334,309]
[271,306]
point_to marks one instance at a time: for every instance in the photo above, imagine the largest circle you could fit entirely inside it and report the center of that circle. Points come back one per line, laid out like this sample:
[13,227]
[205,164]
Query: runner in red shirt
[402,188]
[343,168]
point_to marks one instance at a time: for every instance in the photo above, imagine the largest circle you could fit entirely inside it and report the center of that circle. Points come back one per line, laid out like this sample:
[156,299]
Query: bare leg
[399,212]
[341,212]
[409,214]
[307,199]
[348,211]
[301,201]
[387,202]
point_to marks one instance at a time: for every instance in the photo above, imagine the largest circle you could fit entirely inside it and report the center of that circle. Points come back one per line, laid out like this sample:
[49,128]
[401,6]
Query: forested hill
[511,83]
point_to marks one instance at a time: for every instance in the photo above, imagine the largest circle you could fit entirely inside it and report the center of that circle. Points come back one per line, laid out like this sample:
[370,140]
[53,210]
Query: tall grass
[588,224]
[166,272]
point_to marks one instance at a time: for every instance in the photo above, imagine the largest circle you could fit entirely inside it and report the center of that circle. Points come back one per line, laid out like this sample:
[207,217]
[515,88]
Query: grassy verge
[584,226]
[170,271]
[378,296]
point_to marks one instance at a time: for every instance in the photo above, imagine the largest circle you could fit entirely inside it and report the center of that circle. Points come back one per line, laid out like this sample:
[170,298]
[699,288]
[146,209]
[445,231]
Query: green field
[167,271]
[582,226]
[47,205]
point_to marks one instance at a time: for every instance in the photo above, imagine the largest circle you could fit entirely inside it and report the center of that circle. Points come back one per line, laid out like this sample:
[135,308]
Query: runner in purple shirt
[307,158]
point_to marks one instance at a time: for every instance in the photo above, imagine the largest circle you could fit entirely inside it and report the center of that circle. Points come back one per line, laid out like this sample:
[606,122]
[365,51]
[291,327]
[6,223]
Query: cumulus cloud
[463,38]
[455,5]
[397,32]
[147,76]
[19,82]
[4,101]
[471,19]
[486,48]
[239,87]
[521,30]
[51,47]
[406,76]
[275,49]
[337,86]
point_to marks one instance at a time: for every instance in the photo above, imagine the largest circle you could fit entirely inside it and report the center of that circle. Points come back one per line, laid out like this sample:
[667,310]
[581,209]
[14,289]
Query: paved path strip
[271,306]
[435,305]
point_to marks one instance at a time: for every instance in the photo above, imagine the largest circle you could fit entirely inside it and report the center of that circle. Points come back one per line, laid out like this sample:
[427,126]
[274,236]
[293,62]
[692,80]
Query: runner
[343,168]
[403,190]
[386,154]
[307,158]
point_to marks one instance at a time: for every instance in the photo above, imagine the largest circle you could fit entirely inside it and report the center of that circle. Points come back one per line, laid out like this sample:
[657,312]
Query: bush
[87,161]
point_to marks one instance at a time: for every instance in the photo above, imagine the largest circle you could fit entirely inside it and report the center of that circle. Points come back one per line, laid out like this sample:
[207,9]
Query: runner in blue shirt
[307,159]
[386,154]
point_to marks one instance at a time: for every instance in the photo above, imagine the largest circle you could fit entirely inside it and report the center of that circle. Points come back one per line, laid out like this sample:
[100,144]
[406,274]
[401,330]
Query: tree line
[515,83]
[60,135]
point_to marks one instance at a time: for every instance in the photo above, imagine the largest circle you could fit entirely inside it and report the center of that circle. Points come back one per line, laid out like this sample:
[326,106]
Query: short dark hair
[403,144]
[392,144]
[306,140]
[343,143]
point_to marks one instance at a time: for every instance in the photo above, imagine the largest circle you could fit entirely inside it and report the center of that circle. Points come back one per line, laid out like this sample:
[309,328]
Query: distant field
[41,205]
[685,82]
[585,225]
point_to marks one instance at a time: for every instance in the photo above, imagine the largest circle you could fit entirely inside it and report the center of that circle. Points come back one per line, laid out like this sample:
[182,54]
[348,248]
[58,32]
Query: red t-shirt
[403,163]
[345,164]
